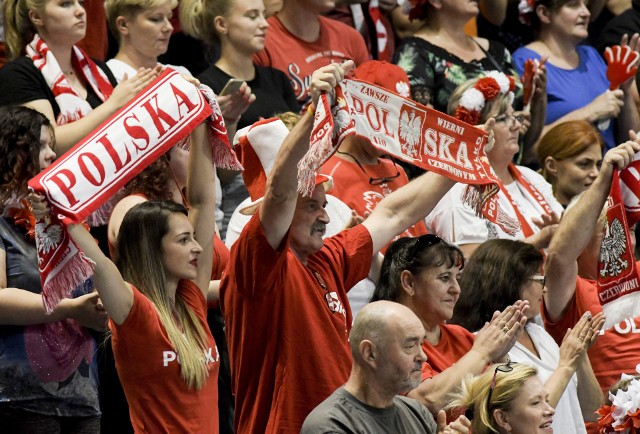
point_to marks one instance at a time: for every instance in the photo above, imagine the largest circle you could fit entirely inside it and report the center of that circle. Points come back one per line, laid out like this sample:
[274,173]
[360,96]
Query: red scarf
[409,131]
[618,285]
[115,152]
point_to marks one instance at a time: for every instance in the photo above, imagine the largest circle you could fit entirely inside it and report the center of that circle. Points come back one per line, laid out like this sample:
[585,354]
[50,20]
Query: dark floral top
[434,73]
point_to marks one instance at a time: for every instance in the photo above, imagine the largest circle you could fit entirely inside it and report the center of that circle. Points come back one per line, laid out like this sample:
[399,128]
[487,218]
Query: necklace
[372,180]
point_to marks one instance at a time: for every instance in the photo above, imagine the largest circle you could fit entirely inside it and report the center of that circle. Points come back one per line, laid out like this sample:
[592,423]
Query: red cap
[384,74]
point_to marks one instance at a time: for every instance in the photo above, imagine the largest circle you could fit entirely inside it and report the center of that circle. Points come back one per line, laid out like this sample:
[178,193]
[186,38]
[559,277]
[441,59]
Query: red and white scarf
[534,194]
[409,131]
[96,168]
[618,284]
[72,105]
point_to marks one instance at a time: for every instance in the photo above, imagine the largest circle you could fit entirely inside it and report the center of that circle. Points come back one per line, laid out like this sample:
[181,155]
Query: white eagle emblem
[410,132]
[341,118]
[613,246]
[47,237]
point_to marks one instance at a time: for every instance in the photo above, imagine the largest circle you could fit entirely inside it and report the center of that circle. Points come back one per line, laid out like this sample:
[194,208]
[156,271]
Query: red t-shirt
[298,59]
[220,258]
[351,185]
[617,349]
[455,342]
[287,335]
[159,400]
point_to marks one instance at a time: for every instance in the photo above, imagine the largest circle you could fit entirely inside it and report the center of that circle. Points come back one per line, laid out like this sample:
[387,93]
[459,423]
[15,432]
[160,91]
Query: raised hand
[130,87]
[497,337]
[325,79]
[235,104]
[461,425]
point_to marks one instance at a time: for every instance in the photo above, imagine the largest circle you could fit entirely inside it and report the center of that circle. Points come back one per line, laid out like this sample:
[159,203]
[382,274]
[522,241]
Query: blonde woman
[507,399]
[142,29]
[166,358]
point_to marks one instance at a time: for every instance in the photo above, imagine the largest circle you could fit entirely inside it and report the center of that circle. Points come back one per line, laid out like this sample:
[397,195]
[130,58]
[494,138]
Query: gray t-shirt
[343,413]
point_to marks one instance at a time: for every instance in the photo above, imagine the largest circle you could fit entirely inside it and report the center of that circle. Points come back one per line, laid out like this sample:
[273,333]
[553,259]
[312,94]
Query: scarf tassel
[475,196]
[617,310]
[58,286]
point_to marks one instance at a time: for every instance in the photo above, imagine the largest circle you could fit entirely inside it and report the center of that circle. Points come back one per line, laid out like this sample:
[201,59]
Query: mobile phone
[232,86]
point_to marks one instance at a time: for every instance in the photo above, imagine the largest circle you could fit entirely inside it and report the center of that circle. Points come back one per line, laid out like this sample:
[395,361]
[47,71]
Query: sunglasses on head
[423,242]
[504,367]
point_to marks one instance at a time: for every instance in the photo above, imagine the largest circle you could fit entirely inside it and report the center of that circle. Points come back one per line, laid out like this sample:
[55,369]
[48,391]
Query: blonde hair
[196,18]
[502,101]
[474,394]
[18,28]
[128,9]
[139,259]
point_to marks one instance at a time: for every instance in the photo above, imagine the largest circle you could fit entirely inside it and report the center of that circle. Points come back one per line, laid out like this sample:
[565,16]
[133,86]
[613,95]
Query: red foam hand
[621,60]
[527,80]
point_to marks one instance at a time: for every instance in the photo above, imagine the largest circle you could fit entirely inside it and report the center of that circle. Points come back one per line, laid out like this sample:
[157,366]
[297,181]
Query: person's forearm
[435,393]
[21,307]
[557,383]
[283,182]
[589,391]
[69,134]
[571,239]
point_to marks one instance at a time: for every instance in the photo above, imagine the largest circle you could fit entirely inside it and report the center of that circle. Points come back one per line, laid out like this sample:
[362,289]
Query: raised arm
[572,357]
[277,209]
[201,193]
[70,134]
[576,230]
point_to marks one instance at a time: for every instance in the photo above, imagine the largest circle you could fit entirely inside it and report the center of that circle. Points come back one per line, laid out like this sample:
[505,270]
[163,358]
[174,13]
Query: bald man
[387,355]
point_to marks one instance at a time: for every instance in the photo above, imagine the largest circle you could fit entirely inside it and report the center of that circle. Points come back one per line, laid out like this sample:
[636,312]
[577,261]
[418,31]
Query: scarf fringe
[476,196]
[58,286]
[627,306]
[224,156]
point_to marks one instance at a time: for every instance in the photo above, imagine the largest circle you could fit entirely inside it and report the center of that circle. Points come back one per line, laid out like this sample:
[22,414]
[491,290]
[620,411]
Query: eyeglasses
[372,180]
[423,242]
[510,120]
[539,278]
[505,367]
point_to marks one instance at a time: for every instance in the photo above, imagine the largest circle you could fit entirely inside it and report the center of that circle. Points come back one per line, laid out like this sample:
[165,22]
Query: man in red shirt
[575,247]
[284,292]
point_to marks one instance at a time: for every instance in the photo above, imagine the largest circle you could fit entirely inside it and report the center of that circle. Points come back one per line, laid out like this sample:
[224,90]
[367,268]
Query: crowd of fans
[226,301]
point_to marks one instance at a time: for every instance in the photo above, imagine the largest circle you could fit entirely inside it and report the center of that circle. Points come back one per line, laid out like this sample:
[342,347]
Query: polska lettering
[133,138]
[171,356]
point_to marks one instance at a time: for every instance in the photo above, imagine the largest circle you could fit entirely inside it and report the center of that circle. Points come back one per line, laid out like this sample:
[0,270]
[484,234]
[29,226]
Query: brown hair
[20,130]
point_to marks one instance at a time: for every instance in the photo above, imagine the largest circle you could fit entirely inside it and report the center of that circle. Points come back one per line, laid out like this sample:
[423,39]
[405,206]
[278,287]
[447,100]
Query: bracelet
[311,109]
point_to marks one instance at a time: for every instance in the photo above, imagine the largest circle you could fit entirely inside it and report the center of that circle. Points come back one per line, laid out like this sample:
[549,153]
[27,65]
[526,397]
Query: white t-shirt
[568,417]
[457,223]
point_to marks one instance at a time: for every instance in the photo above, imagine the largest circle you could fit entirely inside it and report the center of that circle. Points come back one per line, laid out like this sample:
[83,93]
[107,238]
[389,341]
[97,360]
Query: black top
[627,22]
[21,82]
[271,87]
